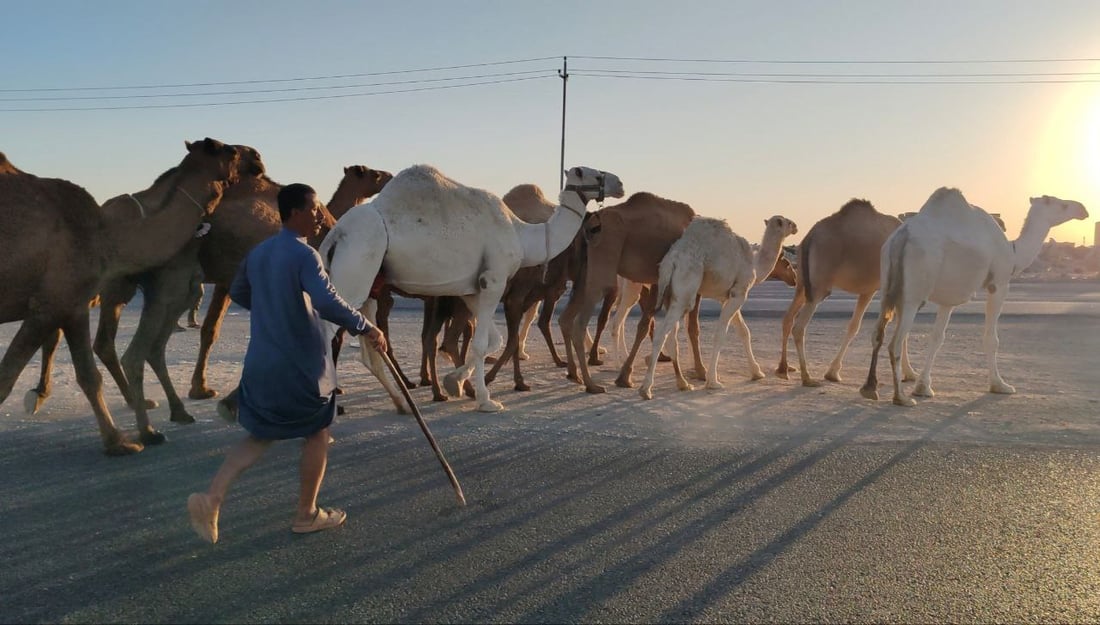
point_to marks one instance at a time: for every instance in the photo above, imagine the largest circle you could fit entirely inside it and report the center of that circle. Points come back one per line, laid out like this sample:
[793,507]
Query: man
[287,388]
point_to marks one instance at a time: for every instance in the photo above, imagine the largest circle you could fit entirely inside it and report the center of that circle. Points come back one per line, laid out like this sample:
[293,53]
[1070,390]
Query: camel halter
[180,189]
[579,189]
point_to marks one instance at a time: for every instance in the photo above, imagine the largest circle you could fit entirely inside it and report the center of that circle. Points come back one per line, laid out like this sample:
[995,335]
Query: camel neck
[343,199]
[768,254]
[1026,247]
[542,242]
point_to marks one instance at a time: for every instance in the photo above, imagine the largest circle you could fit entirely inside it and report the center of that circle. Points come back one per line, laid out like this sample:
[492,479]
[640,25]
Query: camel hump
[526,192]
[856,205]
[6,167]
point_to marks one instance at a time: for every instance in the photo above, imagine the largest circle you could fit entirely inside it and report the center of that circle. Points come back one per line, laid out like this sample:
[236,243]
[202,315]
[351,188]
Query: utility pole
[563,73]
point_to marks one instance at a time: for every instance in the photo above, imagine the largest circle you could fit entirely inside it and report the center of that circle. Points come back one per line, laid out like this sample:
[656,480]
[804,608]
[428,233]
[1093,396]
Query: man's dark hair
[294,197]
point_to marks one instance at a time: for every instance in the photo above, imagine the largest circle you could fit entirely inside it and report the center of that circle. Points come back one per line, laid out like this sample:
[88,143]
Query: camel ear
[187,144]
[346,170]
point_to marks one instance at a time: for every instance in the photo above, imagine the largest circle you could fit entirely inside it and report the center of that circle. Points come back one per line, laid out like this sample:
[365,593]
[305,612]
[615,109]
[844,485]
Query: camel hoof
[645,392]
[869,391]
[714,385]
[594,362]
[152,437]
[181,417]
[440,397]
[910,377]
[202,393]
[907,402]
[338,390]
[1002,389]
[685,387]
[601,351]
[490,405]
[832,376]
[595,389]
[923,390]
[150,404]
[450,384]
[524,356]
[490,360]
[664,358]
[622,382]
[122,446]
[522,387]
[811,383]
[757,375]
[32,401]
[561,364]
[573,377]
[782,374]
[700,374]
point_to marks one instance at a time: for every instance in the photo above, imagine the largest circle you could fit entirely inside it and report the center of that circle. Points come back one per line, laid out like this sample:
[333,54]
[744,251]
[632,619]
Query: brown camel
[533,285]
[248,214]
[627,239]
[48,286]
[840,251]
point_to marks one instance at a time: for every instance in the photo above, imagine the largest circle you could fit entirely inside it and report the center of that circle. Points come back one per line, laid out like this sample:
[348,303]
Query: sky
[680,109]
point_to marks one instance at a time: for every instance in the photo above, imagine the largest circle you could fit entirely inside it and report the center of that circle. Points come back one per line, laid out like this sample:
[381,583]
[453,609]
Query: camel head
[251,165]
[593,184]
[217,159]
[780,226]
[1053,211]
[367,182]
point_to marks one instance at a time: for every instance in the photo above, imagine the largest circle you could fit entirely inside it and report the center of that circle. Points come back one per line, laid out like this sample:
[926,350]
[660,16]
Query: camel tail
[664,280]
[893,278]
[804,266]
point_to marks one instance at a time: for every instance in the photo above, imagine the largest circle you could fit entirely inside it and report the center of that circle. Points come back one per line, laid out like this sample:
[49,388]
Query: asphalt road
[593,516]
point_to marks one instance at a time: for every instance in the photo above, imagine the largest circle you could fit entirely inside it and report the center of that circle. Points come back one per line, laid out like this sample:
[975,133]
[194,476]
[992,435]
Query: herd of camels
[464,251]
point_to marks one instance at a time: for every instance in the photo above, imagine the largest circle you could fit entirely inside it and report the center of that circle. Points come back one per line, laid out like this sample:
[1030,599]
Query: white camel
[711,261]
[944,254]
[429,235]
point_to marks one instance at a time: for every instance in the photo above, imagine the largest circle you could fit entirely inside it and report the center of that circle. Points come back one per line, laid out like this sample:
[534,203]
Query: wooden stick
[424,427]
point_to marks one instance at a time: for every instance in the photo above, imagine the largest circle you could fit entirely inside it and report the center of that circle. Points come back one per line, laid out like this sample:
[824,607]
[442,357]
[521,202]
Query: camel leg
[78,337]
[593,342]
[434,318]
[546,313]
[906,317]
[158,362]
[33,400]
[150,323]
[755,372]
[833,374]
[869,390]
[649,303]
[991,342]
[629,294]
[566,321]
[668,323]
[910,374]
[801,320]
[784,369]
[939,331]
[211,328]
[693,339]
[515,317]
[33,333]
[110,311]
[484,305]
[681,381]
[576,343]
[529,317]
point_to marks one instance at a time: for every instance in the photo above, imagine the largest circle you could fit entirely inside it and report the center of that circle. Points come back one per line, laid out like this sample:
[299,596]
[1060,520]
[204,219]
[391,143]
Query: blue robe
[288,384]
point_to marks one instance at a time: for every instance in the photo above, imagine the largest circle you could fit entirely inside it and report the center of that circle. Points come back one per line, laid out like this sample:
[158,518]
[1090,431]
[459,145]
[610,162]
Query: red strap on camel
[376,287]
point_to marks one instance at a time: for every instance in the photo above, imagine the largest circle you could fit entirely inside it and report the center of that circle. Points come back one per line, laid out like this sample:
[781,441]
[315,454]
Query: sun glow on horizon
[1068,162]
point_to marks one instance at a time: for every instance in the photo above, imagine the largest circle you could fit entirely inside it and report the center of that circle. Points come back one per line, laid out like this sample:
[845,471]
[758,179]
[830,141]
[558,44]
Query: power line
[271,100]
[643,73]
[841,61]
[831,81]
[276,80]
[279,90]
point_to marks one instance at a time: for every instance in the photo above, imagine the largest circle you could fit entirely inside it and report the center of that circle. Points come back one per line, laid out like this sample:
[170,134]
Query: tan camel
[709,260]
[48,285]
[628,240]
[628,293]
[840,251]
[532,287]
[429,235]
[944,254]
